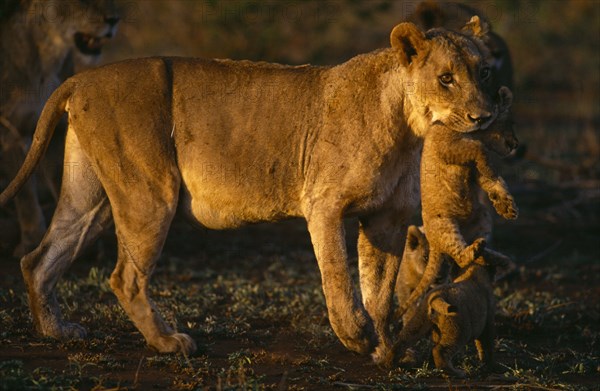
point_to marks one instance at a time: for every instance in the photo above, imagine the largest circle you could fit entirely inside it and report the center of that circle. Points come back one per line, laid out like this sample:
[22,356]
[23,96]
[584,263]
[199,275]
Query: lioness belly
[240,138]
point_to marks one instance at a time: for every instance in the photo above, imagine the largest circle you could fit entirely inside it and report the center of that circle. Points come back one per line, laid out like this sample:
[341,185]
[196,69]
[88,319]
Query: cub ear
[441,306]
[414,237]
[409,40]
[506,98]
[476,27]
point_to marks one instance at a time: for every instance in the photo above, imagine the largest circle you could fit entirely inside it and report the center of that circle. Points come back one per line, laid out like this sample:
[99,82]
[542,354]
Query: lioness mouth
[89,44]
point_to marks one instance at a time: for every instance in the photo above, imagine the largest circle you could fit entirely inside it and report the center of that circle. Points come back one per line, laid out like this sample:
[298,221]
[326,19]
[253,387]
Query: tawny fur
[233,143]
[38,51]
[456,314]
[453,16]
[412,267]
[453,168]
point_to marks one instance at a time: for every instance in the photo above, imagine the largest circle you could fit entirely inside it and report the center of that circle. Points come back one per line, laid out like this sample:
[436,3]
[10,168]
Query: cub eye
[446,79]
[485,73]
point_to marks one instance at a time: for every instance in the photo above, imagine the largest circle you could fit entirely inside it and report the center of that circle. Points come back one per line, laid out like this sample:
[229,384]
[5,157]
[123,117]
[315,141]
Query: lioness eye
[446,79]
[485,73]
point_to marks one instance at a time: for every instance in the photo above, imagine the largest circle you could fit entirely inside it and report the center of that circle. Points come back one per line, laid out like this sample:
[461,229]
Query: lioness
[453,168]
[313,142]
[40,44]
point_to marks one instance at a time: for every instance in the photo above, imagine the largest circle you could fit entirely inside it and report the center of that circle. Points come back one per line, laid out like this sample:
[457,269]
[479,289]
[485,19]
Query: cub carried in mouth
[452,165]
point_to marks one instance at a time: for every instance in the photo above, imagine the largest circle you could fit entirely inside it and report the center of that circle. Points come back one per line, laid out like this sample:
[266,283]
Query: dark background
[251,298]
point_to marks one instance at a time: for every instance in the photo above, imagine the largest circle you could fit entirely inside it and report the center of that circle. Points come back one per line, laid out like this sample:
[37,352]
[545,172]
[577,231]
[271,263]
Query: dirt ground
[251,299]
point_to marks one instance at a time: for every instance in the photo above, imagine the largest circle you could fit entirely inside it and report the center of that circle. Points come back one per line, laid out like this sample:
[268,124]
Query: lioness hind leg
[82,214]
[380,245]
[130,280]
[142,220]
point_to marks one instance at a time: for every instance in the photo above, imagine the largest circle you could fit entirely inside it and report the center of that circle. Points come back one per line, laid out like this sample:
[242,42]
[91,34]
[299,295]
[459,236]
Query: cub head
[500,136]
[416,250]
[448,77]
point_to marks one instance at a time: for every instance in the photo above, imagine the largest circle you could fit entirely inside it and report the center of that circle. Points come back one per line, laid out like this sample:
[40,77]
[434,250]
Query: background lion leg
[29,212]
[82,214]
[347,316]
[380,243]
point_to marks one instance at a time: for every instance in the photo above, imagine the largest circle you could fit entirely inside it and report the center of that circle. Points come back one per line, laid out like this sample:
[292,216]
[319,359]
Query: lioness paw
[383,356]
[175,343]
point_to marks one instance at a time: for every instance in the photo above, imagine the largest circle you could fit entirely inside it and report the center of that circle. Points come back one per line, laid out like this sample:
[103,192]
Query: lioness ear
[506,98]
[409,41]
[476,27]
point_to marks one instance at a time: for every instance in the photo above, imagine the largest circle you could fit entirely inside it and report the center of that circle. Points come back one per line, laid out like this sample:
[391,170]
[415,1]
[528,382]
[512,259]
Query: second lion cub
[457,313]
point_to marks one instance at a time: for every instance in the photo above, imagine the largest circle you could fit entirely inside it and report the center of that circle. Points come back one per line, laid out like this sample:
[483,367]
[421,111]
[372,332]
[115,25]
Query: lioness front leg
[380,245]
[347,316]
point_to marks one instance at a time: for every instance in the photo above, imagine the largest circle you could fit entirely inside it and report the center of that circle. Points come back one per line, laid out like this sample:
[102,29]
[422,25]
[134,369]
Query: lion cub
[452,165]
[448,162]
[457,313]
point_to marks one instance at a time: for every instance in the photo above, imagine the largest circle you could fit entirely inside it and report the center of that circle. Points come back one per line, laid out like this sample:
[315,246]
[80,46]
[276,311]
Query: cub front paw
[506,207]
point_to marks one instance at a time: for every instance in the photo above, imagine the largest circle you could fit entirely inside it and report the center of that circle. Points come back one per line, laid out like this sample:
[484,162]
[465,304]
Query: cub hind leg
[82,214]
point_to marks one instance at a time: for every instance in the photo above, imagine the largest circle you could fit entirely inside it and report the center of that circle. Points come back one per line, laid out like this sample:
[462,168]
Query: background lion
[41,44]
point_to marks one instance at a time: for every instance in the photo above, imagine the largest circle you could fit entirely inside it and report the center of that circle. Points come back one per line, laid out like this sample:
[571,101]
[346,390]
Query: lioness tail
[53,110]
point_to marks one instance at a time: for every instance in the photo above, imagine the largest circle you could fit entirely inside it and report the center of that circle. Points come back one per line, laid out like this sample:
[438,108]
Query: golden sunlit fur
[236,142]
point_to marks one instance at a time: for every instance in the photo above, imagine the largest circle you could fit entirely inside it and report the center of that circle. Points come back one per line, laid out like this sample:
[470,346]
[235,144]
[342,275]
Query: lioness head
[449,76]
[453,16]
[85,25]
[500,137]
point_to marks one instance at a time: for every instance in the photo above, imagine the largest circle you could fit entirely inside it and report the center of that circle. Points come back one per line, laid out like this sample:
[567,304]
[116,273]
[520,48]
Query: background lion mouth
[89,44]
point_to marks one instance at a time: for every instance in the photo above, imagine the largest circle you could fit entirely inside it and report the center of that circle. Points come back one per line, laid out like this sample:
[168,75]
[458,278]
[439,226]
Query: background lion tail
[53,110]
